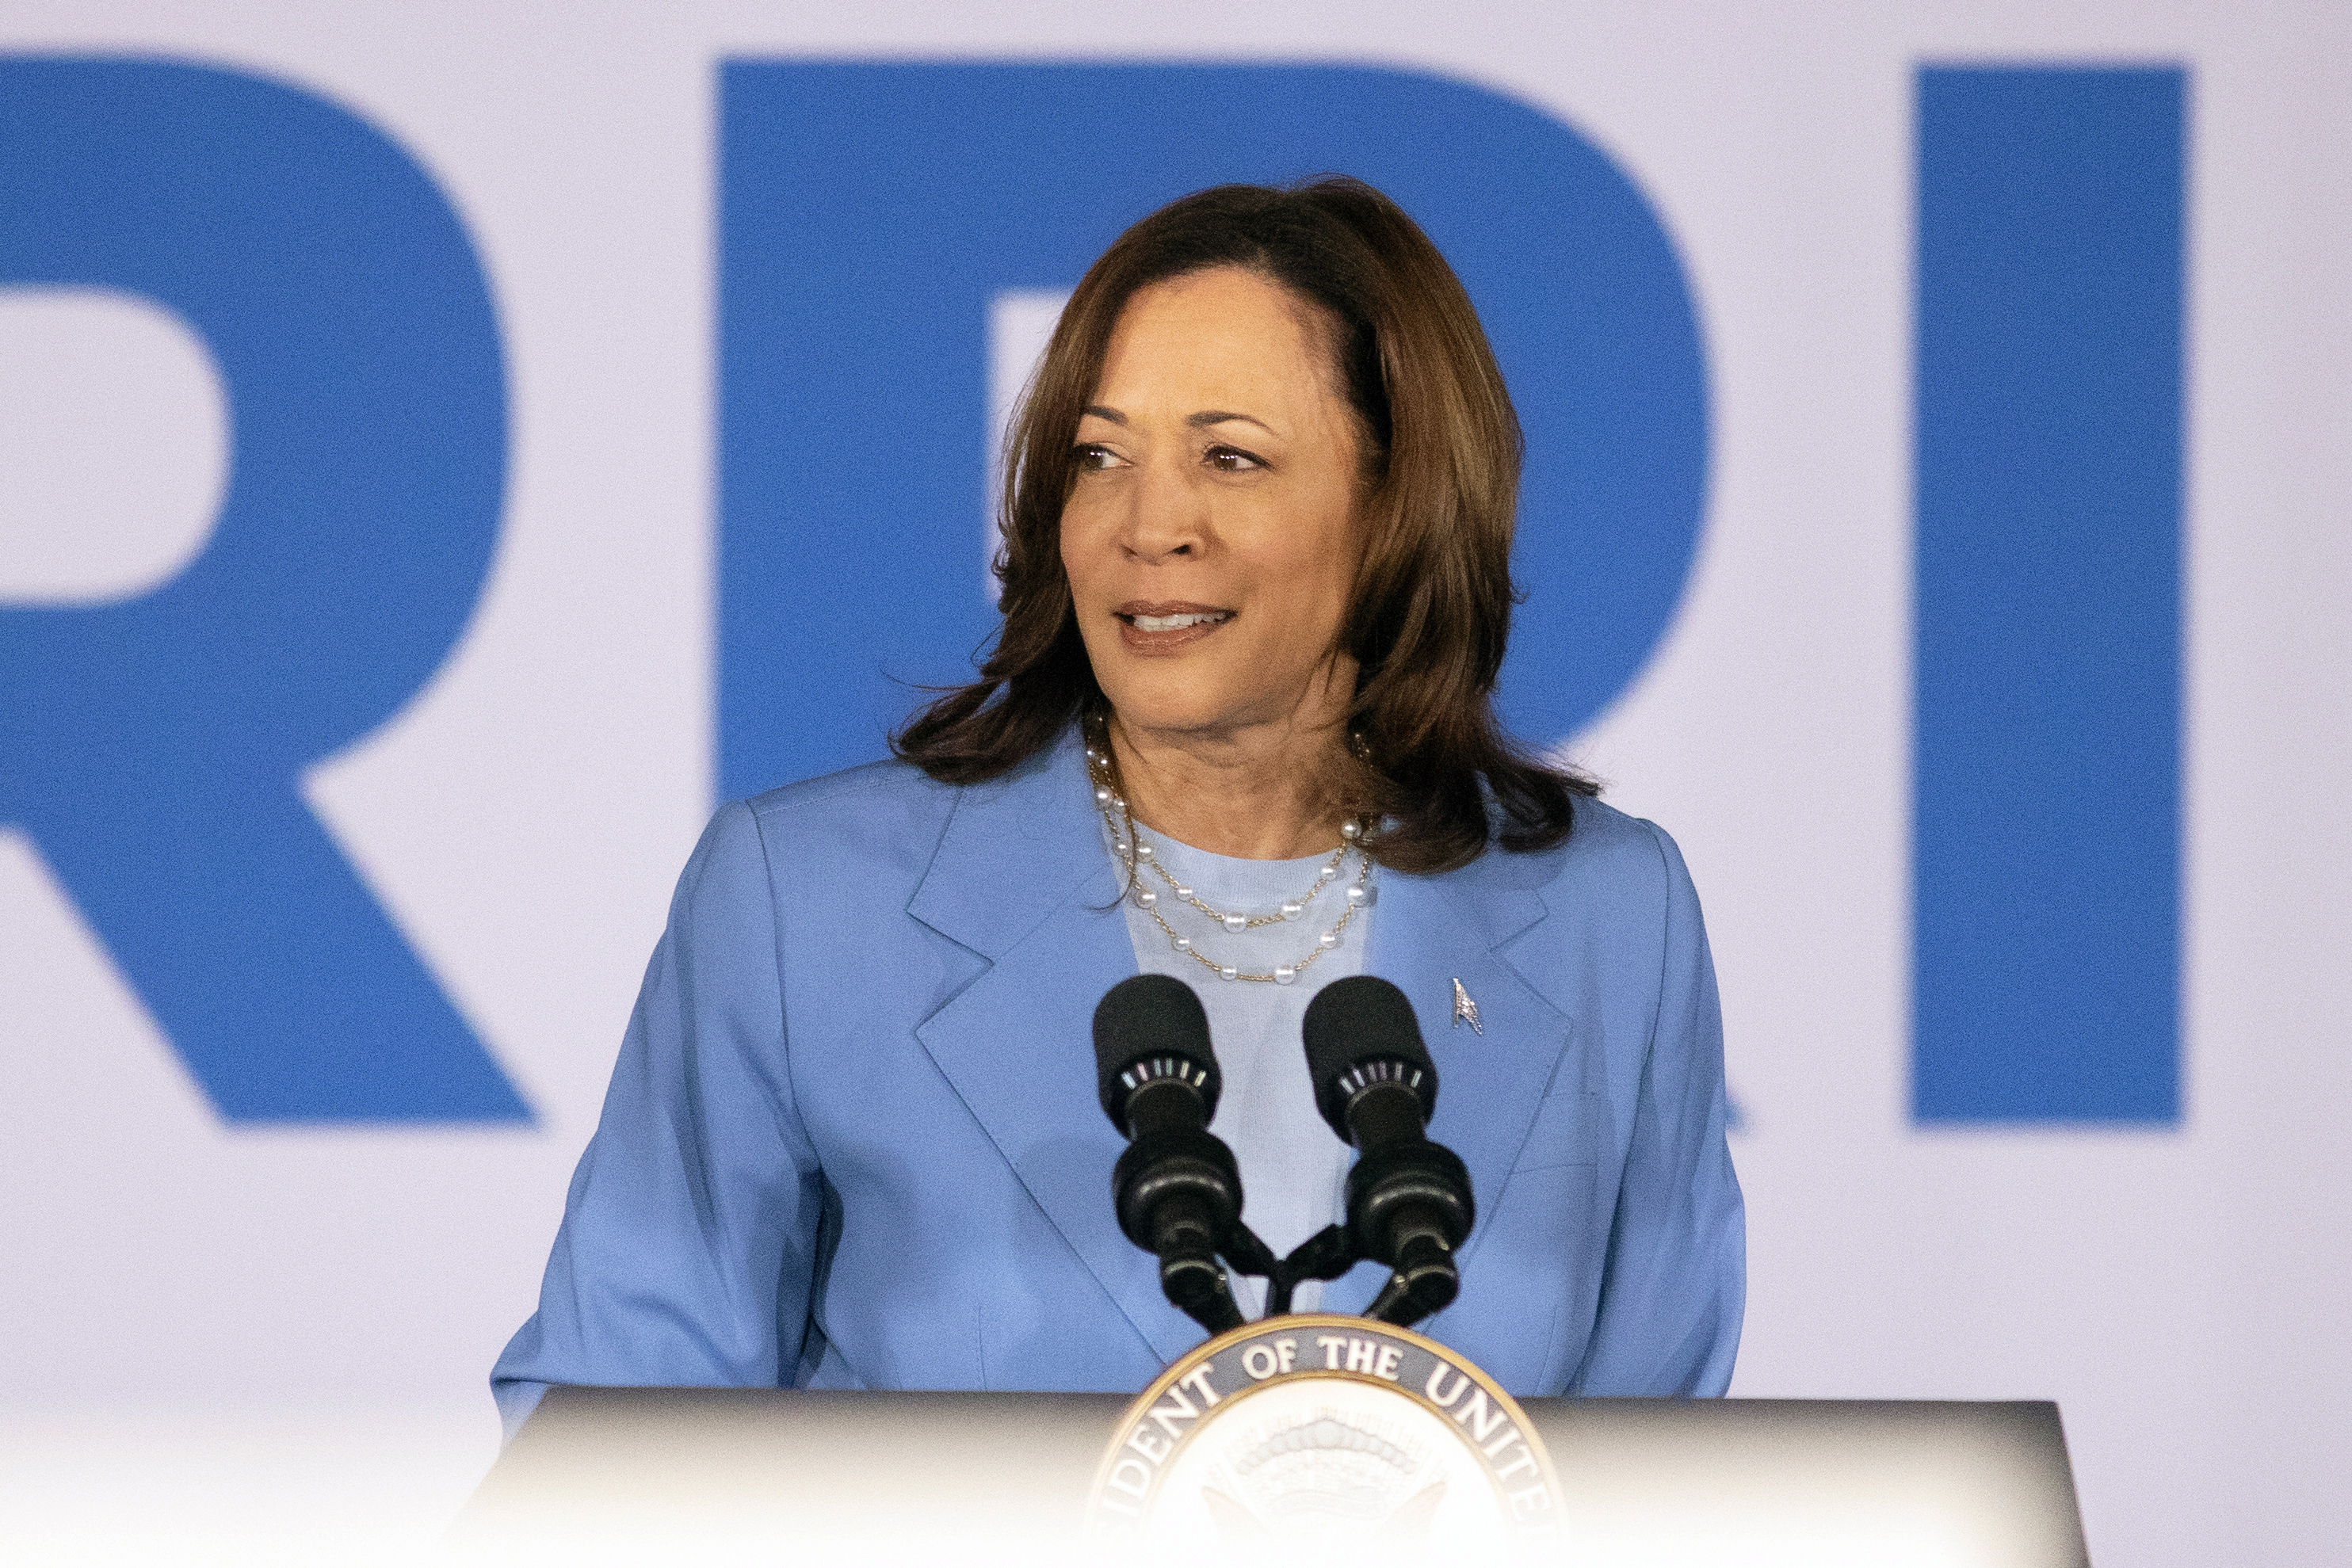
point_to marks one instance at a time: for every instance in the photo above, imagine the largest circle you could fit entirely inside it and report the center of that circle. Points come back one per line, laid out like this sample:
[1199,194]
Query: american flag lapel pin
[1465,1009]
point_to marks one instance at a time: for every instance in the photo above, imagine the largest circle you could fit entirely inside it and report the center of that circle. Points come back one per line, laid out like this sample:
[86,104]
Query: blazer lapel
[1020,879]
[1427,933]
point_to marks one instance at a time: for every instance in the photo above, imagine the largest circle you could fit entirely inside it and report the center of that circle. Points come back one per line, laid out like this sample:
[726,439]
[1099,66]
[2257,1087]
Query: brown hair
[1431,608]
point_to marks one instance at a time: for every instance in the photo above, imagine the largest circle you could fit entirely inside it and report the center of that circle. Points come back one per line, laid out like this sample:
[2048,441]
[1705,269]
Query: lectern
[643,1475]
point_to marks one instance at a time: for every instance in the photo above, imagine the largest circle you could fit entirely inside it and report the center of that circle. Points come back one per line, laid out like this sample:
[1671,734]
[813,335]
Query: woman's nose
[1167,516]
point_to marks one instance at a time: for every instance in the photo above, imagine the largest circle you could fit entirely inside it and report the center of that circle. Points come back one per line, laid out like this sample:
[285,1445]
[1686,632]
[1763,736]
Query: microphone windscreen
[1363,1018]
[1146,1019]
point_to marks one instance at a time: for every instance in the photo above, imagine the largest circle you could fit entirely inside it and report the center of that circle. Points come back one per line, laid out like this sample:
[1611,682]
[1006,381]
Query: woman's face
[1210,537]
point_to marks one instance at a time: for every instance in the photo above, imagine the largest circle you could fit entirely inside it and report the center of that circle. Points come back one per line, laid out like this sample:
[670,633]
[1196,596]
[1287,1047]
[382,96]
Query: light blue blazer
[853,1142]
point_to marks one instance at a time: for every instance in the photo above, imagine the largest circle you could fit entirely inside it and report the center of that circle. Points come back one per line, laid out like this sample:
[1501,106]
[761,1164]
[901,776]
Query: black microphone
[1409,1202]
[1178,1191]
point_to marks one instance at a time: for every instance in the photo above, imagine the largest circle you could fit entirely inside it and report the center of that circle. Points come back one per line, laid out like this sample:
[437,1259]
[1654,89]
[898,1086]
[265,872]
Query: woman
[1237,727]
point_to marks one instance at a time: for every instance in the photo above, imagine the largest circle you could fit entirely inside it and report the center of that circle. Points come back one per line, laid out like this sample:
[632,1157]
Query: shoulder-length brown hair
[1431,608]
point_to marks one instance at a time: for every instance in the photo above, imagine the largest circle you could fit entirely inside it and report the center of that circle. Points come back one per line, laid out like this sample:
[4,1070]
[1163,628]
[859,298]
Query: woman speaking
[1236,728]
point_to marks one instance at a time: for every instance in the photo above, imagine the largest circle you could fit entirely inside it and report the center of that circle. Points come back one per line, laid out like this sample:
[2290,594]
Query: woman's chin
[1198,708]
[1211,694]
[1190,716]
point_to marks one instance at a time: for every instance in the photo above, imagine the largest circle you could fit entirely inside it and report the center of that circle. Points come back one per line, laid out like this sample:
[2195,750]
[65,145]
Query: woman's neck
[1255,793]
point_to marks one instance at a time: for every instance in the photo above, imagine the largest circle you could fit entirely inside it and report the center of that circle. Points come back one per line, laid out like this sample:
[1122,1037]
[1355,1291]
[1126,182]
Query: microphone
[1409,1203]
[1178,1191]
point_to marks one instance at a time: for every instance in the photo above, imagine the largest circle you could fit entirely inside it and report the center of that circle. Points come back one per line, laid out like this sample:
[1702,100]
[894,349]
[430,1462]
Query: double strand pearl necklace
[1135,854]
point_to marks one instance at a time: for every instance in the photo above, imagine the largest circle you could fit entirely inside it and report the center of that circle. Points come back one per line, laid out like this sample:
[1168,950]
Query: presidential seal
[1316,1435]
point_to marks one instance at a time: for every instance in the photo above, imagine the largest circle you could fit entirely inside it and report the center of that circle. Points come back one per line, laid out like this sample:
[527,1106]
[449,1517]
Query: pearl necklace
[1135,854]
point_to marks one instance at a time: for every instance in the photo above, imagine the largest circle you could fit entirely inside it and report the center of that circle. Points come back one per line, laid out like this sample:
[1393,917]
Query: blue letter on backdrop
[870,212]
[153,748]
[2046,899]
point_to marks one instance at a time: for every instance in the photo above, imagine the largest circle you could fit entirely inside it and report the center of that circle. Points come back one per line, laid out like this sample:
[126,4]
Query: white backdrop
[2181,1289]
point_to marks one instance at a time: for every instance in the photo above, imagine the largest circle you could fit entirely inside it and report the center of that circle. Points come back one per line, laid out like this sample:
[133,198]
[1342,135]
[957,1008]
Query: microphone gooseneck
[1409,1202]
[1177,1187]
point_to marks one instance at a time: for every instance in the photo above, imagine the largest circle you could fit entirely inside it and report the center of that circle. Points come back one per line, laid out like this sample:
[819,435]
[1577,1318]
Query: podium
[709,1475]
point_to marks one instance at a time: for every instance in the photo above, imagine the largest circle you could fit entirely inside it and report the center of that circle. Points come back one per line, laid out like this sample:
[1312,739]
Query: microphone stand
[1325,1255]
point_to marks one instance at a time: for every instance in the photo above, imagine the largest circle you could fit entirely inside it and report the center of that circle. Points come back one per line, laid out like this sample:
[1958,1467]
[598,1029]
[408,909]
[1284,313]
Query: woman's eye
[1230,460]
[1093,458]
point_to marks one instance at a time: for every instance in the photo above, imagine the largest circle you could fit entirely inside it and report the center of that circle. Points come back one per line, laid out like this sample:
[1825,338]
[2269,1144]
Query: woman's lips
[1157,629]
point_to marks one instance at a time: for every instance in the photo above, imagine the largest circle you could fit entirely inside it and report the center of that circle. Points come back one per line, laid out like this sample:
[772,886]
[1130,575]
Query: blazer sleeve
[690,1233]
[1676,1281]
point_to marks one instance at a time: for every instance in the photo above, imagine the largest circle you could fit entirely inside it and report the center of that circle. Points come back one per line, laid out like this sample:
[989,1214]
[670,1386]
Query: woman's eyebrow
[1222,416]
[1111,414]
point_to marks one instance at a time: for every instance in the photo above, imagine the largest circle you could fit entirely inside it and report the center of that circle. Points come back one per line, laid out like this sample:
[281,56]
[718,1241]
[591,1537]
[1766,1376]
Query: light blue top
[1294,1168]
[853,1139]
